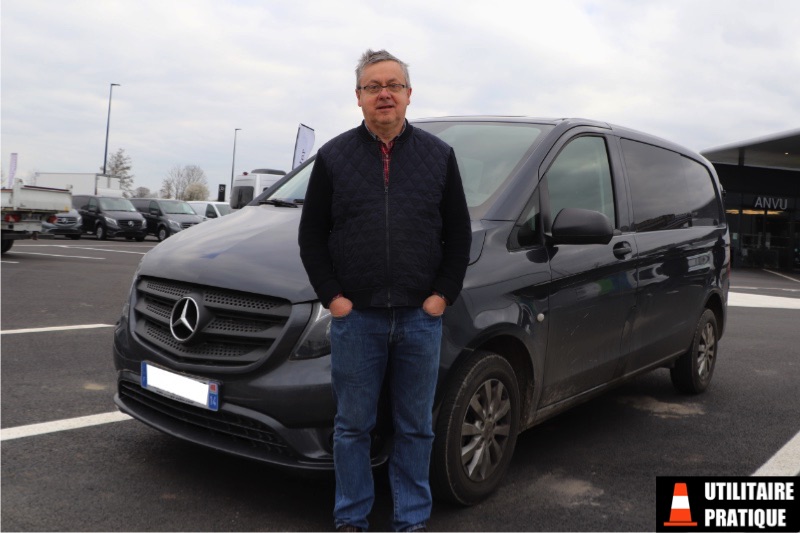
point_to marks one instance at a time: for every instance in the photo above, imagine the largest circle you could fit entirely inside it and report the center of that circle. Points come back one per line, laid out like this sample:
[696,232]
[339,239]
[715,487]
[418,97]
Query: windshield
[224,209]
[116,204]
[176,207]
[488,155]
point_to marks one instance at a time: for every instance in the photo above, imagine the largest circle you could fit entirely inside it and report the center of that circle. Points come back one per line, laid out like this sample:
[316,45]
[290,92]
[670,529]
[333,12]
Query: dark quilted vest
[386,242]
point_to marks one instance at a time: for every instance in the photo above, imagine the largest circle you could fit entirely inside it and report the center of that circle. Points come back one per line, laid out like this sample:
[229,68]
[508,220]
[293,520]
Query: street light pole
[108,125]
[233,164]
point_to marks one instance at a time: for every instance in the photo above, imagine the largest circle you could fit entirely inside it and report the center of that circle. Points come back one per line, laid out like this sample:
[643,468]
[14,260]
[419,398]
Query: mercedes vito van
[108,217]
[166,217]
[598,253]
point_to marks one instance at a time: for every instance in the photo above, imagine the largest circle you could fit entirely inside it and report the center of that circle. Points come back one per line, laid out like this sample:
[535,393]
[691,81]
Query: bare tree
[195,191]
[119,166]
[179,179]
[141,192]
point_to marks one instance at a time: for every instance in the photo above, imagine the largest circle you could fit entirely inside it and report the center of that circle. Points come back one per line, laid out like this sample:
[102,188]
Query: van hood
[124,215]
[182,217]
[253,250]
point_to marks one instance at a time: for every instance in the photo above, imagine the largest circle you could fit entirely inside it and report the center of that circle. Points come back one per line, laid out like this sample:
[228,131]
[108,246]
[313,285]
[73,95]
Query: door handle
[621,249]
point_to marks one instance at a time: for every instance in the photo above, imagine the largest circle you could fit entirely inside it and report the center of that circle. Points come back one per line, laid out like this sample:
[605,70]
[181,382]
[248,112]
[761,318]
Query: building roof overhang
[780,150]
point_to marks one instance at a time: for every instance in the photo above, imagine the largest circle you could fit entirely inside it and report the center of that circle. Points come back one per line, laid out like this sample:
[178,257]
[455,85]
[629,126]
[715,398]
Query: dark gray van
[598,253]
[107,217]
[166,217]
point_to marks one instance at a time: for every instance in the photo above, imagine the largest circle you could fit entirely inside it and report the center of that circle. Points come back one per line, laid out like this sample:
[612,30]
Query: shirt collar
[375,137]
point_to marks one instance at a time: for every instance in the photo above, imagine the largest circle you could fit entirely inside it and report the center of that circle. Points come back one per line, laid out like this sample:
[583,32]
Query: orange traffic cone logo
[681,514]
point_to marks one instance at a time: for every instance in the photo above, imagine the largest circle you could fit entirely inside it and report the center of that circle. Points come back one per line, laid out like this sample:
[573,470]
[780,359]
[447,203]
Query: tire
[74,237]
[693,370]
[100,232]
[162,234]
[6,245]
[476,430]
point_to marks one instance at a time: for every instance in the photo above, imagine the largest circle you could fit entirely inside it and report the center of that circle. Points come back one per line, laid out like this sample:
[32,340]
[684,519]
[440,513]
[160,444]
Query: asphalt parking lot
[593,468]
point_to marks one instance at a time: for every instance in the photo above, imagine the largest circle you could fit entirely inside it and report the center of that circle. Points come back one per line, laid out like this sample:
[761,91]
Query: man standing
[384,237]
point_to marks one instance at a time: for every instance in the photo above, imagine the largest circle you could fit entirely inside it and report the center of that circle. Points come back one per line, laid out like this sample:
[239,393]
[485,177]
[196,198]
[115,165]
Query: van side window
[581,177]
[703,206]
[668,190]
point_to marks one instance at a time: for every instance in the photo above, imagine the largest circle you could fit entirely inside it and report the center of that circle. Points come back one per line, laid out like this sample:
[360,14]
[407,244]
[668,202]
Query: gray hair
[371,57]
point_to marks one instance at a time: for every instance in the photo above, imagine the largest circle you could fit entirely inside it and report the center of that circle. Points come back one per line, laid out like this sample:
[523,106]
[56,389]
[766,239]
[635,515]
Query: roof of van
[567,123]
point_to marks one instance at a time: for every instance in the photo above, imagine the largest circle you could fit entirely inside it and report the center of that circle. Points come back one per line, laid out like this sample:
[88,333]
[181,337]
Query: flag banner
[12,170]
[303,144]
[695,503]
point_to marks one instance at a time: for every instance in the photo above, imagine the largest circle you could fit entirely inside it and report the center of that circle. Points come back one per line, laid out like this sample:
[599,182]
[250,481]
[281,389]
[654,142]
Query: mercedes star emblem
[184,319]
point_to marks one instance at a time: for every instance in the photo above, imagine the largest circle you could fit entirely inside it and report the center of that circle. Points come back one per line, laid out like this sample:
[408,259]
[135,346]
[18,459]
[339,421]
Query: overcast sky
[700,73]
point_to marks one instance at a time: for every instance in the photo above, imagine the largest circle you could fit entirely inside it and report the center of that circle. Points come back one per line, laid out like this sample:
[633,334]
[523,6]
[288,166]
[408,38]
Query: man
[384,237]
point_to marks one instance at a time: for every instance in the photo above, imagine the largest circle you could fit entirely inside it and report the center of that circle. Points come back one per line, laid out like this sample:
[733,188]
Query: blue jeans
[365,344]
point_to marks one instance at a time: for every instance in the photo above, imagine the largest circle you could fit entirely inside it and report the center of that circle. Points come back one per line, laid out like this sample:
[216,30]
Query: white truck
[80,182]
[250,184]
[24,207]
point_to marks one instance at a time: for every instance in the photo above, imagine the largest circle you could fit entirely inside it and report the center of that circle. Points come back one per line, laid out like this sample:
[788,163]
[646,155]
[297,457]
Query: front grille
[245,430]
[235,329]
[185,225]
[66,221]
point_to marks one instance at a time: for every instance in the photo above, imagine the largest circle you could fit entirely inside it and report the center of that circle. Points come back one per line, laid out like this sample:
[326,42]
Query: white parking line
[61,425]
[55,328]
[781,275]
[99,249]
[57,255]
[740,299]
[784,463]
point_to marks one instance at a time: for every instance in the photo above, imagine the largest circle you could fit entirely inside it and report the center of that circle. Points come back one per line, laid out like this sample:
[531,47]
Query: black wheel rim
[485,430]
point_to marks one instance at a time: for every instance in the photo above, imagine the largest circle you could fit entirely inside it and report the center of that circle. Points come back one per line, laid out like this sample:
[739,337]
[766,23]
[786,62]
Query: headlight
[174,225]
[79,220]
[111,221]
[316,341]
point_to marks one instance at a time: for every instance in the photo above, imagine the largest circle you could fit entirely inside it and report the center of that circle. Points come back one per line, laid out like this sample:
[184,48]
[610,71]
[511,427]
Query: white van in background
[249,185]
[210,209]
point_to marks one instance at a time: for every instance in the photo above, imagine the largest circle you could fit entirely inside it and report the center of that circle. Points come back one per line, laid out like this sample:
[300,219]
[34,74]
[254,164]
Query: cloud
[701,74]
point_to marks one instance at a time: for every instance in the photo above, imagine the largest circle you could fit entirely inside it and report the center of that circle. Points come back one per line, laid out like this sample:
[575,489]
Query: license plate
[188,389]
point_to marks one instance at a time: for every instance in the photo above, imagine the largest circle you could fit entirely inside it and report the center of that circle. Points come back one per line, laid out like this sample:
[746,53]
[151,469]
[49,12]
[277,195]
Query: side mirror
[581,226]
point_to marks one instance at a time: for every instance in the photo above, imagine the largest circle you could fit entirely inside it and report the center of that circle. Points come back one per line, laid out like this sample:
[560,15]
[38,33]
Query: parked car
[107,217]
[68,224]
[598,253]
[166,217]
[211,209]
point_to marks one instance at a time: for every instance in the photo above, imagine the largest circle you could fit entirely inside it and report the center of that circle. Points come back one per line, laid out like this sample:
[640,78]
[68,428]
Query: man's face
[386,109]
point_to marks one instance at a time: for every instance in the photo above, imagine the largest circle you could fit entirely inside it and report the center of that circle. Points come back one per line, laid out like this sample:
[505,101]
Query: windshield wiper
[277,202]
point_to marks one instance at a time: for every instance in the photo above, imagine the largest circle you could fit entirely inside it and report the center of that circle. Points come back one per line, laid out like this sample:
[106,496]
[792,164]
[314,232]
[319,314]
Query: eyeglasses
[375,88]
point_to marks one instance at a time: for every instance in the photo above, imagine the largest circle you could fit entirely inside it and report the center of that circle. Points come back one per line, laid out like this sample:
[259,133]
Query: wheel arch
[514,350]
[714,302]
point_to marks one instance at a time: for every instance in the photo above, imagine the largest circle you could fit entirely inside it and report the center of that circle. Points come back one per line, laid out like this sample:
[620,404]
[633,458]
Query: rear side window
[669,191]
[581,177]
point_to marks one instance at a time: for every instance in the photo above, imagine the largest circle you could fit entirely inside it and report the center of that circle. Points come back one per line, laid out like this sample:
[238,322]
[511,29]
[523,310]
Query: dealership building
[761,178]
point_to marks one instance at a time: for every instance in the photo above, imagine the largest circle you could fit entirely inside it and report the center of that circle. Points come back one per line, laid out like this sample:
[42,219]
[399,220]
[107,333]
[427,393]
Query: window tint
[668,190]
[581,177]
[703,203]
[210,211]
